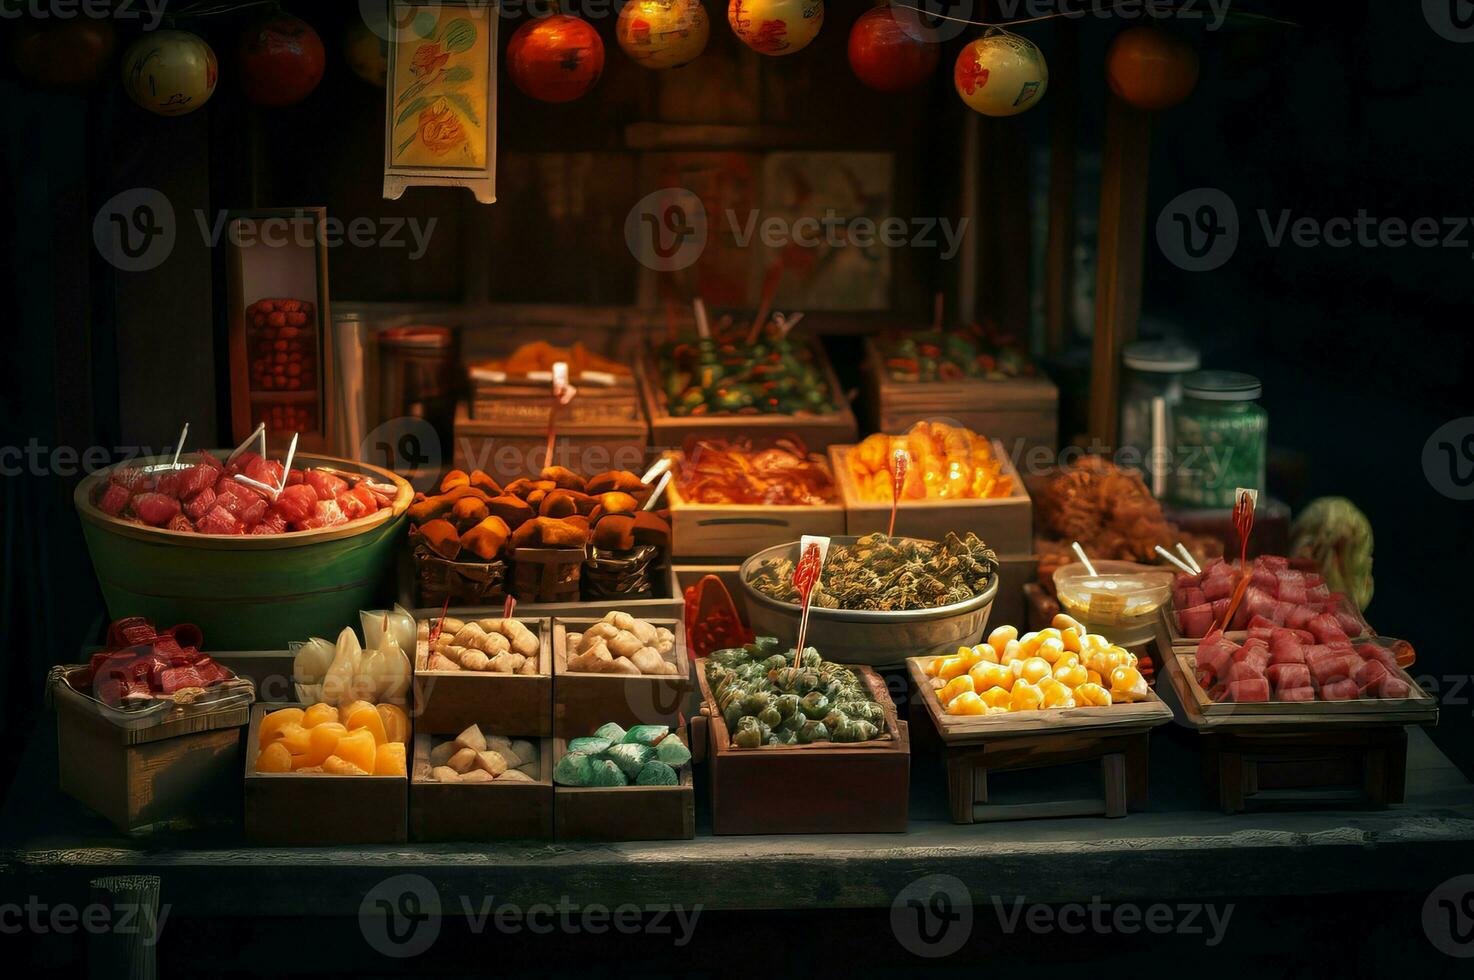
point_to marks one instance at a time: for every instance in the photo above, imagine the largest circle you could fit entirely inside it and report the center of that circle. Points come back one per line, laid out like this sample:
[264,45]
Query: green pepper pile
[765,700]
[724,375]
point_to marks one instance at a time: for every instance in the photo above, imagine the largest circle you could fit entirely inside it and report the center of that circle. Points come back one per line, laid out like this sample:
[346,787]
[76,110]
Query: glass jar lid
[1161,357]
[1221,386]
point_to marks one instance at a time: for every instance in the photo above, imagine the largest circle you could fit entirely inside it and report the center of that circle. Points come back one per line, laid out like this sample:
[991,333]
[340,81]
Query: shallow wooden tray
[1006,524]
[1117,719]
[624,813]
[820,788]
[510,810]
[447,701]
[583,702]
[286,808]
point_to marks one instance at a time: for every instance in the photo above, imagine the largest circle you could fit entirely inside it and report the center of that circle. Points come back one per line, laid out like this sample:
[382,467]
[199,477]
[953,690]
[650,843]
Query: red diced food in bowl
[1249,691]
[326,485]
[296,503]
[114,498]
[272,523]
[180,523]
[219,521]
[155,509]
[200,504]
[195,479]
[1344,689]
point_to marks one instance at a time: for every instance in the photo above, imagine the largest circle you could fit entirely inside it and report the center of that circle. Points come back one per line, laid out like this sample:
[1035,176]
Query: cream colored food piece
[440,754]
[441,662]
[475,660]
[516,775]
[472,738]
[464,760]
[445,774]
[477,776]
[492,762]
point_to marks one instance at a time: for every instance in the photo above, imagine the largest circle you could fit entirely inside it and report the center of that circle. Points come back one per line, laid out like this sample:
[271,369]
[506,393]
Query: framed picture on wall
[440,100]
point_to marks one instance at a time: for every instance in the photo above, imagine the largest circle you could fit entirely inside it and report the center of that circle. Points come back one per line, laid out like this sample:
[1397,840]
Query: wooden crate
[498,810]
[509,451]
[1115,737]
[521,403]
[1021,413]
[583,702]
[820,788]
[1006,524]
[817,431]
[174,775]
[624,813]
[1295,769]
[448,701]
[667,602]
[315,809]
[720,530]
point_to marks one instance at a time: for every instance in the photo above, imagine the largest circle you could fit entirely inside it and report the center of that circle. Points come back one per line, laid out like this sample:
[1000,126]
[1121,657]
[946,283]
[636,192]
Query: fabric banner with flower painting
[440,126]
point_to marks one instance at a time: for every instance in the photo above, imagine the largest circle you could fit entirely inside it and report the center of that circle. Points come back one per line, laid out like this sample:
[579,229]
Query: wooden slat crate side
[448,701]
[625,813]
[498,810]
[722,530]
[583,702]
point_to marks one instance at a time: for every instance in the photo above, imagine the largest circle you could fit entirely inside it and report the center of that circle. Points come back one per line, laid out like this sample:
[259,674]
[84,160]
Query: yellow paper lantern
[170,72]
[776,27]
[663,33]
[1001,74]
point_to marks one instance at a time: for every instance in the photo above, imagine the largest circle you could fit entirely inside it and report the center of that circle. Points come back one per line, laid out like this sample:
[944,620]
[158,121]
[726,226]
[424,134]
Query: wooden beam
[1059,254]
[1122,235]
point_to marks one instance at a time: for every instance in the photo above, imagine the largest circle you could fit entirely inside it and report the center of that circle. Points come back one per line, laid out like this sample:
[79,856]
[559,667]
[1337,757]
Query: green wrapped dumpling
[589,745]
[611,731]
[646,734]
[606,773]
[629,757]
[574,769]
[656,773]
[673,752]
[812,730]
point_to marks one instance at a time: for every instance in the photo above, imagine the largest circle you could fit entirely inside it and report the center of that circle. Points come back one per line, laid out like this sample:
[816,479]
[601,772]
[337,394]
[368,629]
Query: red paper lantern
[891,50]
[776,27]
[555,59]
[1151,68]
[281,60]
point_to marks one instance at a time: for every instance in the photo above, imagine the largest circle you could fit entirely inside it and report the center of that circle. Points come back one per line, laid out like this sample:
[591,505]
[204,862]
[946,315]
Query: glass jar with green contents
[1222,439]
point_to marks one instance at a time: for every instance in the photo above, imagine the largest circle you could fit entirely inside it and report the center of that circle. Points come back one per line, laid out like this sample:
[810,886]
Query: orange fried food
[947,463]
[737,471]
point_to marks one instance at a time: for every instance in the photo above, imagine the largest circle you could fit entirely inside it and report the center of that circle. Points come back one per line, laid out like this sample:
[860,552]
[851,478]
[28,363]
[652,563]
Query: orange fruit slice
[317,714]
[322,741]
[396,722]
[358,747]
[341,767]
[390,761]
[274,758]
[272,724]
[368,719]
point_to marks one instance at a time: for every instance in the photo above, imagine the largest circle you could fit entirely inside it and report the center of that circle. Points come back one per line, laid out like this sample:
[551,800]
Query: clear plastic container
[1120,602]
[1221,439]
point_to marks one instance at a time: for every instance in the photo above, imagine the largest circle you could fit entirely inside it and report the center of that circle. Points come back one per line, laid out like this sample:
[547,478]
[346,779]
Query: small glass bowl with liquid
[1119,602]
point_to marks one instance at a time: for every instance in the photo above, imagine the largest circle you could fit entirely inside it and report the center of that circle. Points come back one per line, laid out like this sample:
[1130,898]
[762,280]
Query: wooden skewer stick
[770,290]
[179,446]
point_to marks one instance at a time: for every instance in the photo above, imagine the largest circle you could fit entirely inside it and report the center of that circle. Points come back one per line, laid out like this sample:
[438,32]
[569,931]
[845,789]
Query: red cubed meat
[1299,617]
[327,486]
[1215,653]
[155,508]
[1292,592]
[200,504]
[1218,587]
[168,484]
[1249,691]
[219,521]
[1332,669]
[351,506]
[1305,693]
[272,523]
[178,678]
[1393,686]
[1344,689]
[296,503]
[1327,630]
[114,499]
[326,513]
[1369,675]
[195,479]
[1196,620]
[1285,676]
[180,523]
[265,471]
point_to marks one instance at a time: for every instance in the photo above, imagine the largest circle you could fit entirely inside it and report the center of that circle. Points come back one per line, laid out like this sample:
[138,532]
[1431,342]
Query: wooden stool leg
[1113,780]
[1136,773]
[959,787]
[1230,780]
[126,952]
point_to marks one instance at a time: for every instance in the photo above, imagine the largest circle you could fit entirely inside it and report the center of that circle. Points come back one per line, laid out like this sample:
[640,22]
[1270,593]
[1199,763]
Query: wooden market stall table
[52,847]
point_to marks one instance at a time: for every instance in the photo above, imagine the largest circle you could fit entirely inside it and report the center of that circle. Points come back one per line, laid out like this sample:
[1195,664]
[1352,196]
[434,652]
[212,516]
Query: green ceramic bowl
[251,592]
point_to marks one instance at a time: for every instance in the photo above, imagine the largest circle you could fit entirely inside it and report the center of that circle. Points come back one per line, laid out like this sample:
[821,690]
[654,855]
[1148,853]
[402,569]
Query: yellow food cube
[339,766]
[319,713]
[322,739]
[1071,675]
[997,697]
[1071,639]
[1025,697]
[956,686]
[274,758]
[294,738]
[985,654]
[1093,677]
[367,717]
[357,747]
[1092,694]
[989,676]
[952,667]
[396,722]
[967,704]
[1056,695]
[1052,649]
[1028,644]
[275,721]
[389,760]
[1034,670]
[1012,652]
[1127,684]
[1064,621]
[1000,638]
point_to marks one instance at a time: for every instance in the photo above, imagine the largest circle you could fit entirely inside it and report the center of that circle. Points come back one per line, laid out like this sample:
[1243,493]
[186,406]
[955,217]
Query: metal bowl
[865,636]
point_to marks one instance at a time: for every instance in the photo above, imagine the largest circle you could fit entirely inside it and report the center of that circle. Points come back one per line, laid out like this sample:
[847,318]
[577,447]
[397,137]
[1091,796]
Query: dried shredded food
[884,574]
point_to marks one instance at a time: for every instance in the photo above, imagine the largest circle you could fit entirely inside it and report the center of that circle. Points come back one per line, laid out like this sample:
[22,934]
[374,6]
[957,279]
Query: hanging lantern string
[209,8]
[1095,8]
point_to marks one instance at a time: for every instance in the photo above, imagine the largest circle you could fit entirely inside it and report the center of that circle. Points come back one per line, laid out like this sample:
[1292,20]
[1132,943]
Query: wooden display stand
[975,746]
[1297,768]
[624,813]
[449,701]
[707,531]
[510,450]
[498,810]
[583,702]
